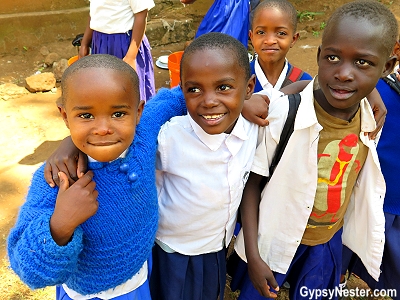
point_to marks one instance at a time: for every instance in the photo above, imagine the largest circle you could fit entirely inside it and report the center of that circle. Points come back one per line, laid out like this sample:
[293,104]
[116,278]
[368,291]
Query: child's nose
[210,100]
[345,73]
[270,38]
[103,127]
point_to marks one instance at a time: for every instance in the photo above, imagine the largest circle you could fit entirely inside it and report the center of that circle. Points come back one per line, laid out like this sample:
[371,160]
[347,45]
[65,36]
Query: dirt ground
[32,127]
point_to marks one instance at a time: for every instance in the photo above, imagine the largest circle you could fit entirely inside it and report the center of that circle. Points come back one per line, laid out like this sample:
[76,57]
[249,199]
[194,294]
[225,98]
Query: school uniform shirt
[200,180]
[288,199]
[116,16]
[265,84]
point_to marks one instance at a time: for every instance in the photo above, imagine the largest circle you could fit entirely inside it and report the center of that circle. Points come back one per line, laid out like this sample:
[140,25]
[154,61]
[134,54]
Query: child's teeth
[212,116]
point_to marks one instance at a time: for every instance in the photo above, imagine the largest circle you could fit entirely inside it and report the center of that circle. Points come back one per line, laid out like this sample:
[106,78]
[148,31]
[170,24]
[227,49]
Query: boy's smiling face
[272,35]
[214,87]
[351,60]
[101,111]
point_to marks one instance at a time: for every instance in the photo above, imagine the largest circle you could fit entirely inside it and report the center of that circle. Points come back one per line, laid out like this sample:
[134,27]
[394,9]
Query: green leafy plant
[307,15]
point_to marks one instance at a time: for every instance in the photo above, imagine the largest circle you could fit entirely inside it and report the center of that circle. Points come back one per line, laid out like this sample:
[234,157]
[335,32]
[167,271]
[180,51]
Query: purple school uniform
[117,44]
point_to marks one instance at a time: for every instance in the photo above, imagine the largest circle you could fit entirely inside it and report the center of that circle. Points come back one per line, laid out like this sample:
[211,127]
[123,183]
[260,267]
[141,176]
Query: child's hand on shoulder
[255,109]
[74,205]
[67,159]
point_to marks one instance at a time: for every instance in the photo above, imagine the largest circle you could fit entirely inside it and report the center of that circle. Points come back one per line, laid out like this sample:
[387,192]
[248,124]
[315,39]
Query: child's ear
[294,40]
[63,115]
[389,66]
[251,83]
[139,111]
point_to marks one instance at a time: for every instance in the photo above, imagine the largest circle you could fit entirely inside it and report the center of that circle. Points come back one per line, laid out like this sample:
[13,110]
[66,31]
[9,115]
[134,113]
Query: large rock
[59,68]
[40,82]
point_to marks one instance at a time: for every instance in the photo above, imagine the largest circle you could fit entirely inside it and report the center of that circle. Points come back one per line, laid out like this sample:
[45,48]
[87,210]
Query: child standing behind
[203,162]
[328,181]
[118,28]
[273,33]
[93,238]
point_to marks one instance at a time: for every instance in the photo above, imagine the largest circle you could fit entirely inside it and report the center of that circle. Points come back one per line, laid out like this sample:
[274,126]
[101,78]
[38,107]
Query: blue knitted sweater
[389,147]
[111,246]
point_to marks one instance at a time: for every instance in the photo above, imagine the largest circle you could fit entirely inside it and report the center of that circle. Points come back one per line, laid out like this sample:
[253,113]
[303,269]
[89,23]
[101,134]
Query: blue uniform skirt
[117,44]
[390,267]
[314,267]
[141,293]
[175,276]
[227,16]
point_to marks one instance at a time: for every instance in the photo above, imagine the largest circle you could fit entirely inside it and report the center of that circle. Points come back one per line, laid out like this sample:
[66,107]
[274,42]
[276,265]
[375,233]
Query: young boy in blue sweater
[93,238]
[328,182]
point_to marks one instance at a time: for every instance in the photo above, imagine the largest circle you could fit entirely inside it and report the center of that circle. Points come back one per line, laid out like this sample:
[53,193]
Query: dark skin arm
[86,41]
[259,272]
[67,159]
[74,205]
[256,108]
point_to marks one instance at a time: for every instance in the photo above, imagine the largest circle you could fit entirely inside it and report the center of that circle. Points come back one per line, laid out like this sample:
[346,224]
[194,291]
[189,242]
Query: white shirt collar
[123,154]
[214,141]
[263,79]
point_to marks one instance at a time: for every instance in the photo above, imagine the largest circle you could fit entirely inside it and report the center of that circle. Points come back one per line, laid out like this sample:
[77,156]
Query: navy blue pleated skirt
[182,277]
[390,267]
[117,44]
[314,267]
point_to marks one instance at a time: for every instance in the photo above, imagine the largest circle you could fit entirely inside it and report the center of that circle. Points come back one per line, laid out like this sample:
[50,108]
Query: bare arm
[67,159]
[259,272]
[86,40]
[255,109]
[138,29]
[380,112]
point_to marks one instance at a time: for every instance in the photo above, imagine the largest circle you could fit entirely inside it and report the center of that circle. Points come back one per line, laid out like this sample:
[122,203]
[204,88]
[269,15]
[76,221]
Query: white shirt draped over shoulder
[288,198]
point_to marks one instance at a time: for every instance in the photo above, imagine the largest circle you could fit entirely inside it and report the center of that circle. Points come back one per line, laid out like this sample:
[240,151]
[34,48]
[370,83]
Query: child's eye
[86,116]
[332,58]
[224,87]
[118,114]
[193,90]
[362,62]
[260,32]
[282,33]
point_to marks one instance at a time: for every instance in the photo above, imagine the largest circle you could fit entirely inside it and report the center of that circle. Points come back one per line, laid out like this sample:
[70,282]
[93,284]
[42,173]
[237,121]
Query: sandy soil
[32,127]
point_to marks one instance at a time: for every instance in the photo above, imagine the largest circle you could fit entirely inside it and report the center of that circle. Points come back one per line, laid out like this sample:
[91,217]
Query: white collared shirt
[200,180]
[265,84]
[288,198]
[116,16]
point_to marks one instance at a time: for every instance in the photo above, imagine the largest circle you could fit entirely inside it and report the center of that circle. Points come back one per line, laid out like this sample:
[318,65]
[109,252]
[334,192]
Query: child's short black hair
[283,5]
[99,61]
[372,11]
[217,40]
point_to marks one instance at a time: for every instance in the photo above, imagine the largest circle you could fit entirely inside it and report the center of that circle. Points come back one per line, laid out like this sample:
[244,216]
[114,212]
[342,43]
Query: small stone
[59,68]
[44,51]
[51,58]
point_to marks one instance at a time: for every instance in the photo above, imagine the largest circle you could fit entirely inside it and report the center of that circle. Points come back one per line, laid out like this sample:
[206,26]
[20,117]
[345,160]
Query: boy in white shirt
[329,174]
